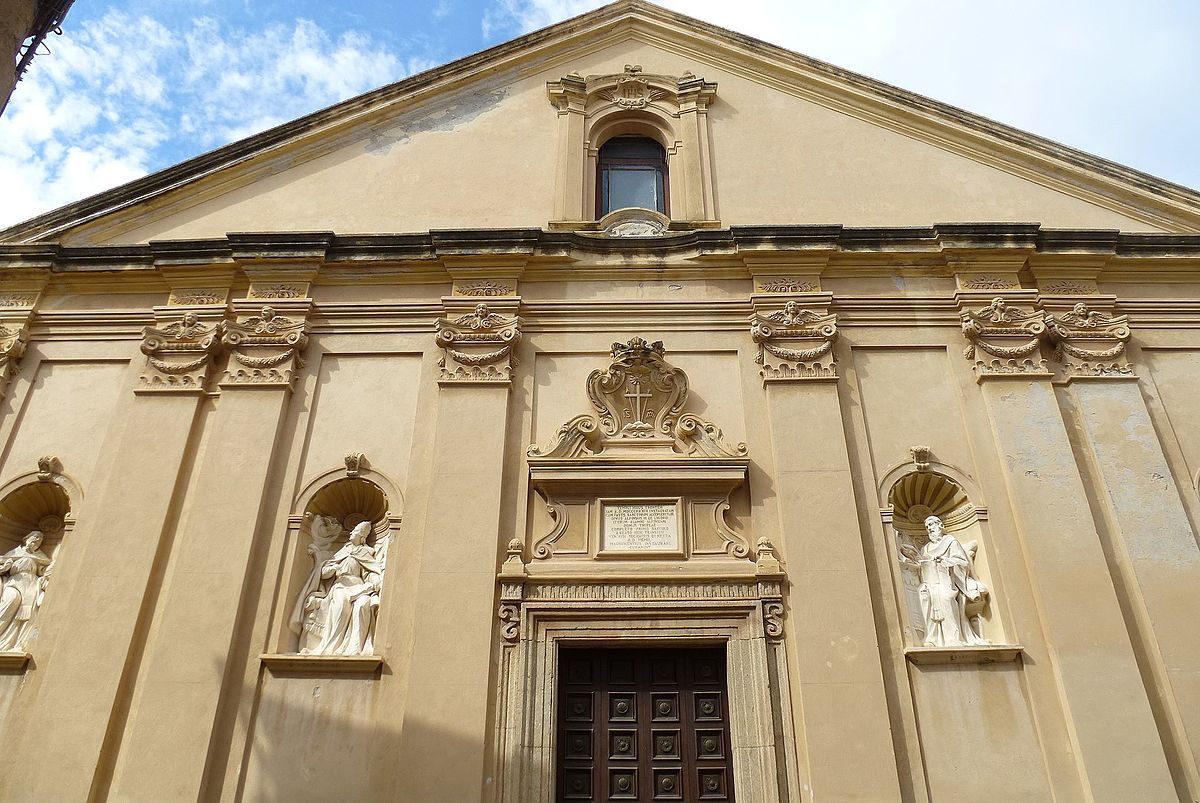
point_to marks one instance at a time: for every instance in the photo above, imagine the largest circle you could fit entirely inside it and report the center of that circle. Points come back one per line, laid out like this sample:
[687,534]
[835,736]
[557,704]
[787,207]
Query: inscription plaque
[640,528]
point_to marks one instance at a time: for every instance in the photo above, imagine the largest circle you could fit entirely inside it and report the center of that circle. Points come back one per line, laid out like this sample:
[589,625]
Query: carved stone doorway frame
[760,717]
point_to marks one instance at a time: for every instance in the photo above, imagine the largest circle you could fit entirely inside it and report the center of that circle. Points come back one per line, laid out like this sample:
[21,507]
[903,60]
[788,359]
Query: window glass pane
[626,186]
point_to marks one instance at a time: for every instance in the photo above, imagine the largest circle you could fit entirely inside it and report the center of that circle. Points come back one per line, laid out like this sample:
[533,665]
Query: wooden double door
[643,724]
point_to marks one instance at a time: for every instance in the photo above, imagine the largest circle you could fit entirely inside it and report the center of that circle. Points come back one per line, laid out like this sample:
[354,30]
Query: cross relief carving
[639,400]
[640,395]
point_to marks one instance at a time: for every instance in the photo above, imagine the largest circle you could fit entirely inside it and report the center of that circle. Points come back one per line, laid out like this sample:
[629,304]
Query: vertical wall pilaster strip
[838,696]
[1155,550]
[450,679]
[187,649]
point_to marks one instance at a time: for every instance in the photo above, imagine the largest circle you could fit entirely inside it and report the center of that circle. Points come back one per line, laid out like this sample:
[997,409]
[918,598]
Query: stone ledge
[14,660]
[285,663]
[986,654]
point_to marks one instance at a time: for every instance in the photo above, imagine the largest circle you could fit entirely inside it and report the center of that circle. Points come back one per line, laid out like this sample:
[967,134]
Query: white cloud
[121,96]
[1098,75]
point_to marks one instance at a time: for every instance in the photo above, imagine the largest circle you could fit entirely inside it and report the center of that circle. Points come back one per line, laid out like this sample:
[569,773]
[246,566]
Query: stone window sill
[986,654]
[14,660]
[294,664]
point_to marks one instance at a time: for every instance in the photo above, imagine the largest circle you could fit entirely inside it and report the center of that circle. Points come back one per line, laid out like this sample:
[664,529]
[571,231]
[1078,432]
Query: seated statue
[24,571]
[952,597]
[339,612]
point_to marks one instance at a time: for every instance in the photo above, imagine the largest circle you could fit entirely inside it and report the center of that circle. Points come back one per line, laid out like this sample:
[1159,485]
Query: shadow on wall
[323,738]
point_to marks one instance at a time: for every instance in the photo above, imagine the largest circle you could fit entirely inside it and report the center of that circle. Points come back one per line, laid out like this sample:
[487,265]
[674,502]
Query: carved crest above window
[640,394]
[630,89]
[640,400]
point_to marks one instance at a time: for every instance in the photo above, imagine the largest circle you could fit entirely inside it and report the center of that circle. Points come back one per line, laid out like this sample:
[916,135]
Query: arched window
[631,173]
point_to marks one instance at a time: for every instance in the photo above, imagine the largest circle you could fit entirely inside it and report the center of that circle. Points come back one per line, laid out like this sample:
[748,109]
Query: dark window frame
[660,164]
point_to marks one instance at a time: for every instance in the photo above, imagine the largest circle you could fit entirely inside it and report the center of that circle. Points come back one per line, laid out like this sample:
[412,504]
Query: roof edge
[168,179]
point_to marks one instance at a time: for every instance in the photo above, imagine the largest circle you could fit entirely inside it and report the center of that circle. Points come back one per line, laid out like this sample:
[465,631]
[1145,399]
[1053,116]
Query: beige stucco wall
[145,675]
[158,671]
[445,162]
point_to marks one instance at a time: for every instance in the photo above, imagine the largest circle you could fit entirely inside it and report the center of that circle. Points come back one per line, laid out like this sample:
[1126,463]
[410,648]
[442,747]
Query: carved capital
[1090,343]
[478,346]
[179,354]
[264,349]
[16,311]
[13,337]
[1003,340]
[795,343]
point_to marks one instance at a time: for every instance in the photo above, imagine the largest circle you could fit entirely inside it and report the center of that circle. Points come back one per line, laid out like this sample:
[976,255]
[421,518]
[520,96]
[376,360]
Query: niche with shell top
[324,515]
[34,502]
[913,498]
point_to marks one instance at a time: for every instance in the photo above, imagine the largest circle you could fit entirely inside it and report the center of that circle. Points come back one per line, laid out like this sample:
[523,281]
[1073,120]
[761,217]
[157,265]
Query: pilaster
[1152,546]
[1115,738]
[121,547]
[18,302]
[838,695]
[188,646]
[452,650]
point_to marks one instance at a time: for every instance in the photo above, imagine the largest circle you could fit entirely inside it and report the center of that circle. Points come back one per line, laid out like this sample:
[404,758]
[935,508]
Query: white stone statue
[338,604]
[952,597]
[323,532]
[24,572]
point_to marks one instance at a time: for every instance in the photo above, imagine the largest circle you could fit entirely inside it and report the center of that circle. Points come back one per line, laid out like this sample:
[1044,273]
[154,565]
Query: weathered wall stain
[456,111]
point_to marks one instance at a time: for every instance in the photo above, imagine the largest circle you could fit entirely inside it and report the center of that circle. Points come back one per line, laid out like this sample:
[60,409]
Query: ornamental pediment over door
[639,479]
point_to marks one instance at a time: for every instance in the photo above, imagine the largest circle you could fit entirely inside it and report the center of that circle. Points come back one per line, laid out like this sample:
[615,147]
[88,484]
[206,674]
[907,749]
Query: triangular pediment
[475,144]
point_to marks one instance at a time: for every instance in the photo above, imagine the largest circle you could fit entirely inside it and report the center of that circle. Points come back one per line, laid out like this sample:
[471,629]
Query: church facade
[632,411]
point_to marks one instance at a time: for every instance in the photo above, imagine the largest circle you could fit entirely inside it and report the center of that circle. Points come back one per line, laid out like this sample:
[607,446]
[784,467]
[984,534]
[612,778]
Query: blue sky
[133,87]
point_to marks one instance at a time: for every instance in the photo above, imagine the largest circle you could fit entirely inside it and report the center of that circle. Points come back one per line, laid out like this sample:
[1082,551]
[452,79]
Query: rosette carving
[795,343]
[1004,340]
[478,347]
[179,354]
[1090,342]
[264,349]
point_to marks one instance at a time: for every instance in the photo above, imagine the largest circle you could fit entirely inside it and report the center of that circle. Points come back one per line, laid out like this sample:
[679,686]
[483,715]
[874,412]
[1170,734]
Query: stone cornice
[744,250]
